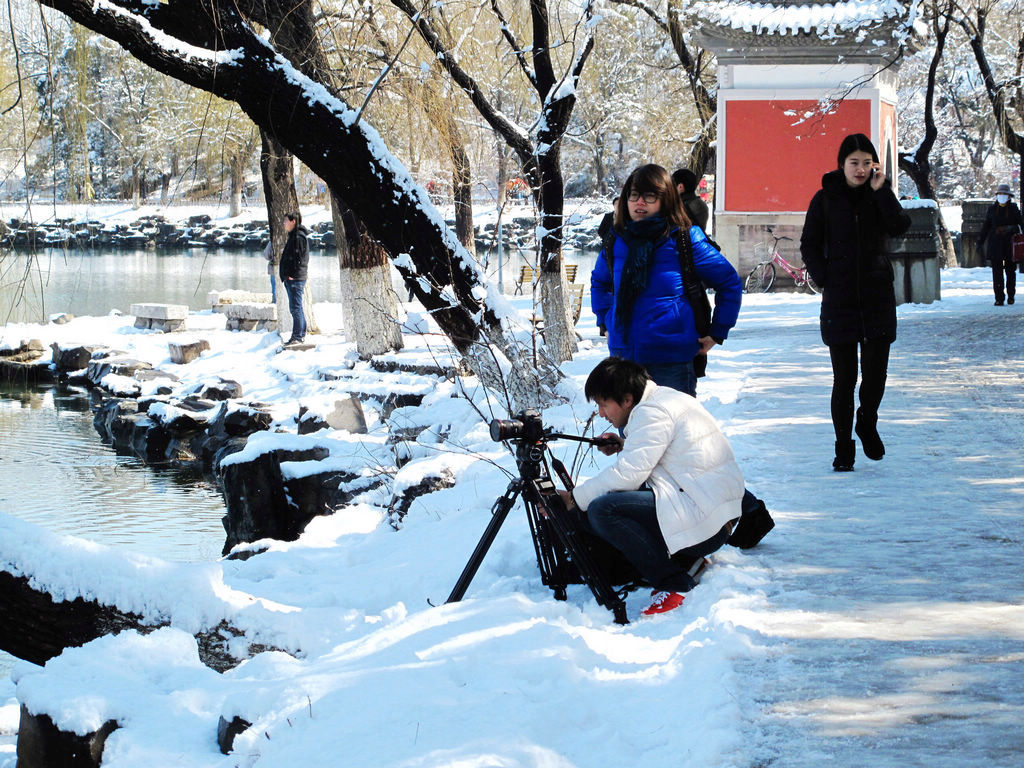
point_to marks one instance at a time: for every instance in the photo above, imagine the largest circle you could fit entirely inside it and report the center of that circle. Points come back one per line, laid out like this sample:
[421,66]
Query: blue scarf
[640,238]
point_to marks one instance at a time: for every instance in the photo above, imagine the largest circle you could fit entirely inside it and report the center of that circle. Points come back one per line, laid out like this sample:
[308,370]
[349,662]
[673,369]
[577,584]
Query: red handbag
[1017,248]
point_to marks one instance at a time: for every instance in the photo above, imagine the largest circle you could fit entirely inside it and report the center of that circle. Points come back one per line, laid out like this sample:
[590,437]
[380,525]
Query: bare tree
[698,65]
[211,45]
[368,303]
[917,164]
[1003,94]
[538,148]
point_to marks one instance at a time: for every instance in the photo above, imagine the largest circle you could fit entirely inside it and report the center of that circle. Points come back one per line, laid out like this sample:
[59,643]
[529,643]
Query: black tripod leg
[498,514]
[567,532]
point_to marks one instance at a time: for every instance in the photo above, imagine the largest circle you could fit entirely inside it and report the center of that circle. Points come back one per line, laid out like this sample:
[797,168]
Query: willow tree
[215,46]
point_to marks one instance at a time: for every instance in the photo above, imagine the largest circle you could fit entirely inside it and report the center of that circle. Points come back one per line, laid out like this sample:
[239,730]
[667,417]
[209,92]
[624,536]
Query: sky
[880,623]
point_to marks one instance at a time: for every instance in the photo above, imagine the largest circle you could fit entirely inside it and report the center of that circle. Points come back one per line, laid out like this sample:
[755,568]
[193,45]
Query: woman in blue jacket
[638,294]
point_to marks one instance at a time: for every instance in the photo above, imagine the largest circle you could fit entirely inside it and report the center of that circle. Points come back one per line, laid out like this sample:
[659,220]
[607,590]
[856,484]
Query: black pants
[874,364]
[999,268]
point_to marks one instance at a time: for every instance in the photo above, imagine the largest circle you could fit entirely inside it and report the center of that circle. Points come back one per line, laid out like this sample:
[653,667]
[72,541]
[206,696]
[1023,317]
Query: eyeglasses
[649,197]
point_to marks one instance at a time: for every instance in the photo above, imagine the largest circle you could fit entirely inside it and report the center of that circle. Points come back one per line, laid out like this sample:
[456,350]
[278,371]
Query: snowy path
[893,605]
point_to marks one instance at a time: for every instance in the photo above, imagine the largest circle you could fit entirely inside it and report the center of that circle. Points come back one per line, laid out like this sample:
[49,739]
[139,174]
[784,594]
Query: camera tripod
[563,554]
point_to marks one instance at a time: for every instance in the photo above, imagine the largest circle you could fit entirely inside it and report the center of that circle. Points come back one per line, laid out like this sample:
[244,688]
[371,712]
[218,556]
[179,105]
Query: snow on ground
[880,623]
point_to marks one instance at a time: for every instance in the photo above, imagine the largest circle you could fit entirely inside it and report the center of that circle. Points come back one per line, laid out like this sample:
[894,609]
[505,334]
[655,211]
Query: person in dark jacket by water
[1002,222]
[843,248]
[293,270]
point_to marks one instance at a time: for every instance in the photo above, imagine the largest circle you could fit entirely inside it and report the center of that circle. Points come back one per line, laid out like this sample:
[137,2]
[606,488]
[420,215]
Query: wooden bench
[575,298]
[527,274]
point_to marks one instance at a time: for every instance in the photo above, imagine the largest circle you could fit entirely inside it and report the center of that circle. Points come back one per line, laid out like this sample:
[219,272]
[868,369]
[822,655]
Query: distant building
[794,79]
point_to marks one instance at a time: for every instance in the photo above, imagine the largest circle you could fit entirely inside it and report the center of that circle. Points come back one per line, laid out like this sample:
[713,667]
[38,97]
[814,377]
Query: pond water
[34,286]
[55,472]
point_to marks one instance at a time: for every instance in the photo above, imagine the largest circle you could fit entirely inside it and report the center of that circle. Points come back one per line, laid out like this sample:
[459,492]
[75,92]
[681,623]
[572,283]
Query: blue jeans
[628,521]
[294,289]
[273,289]
[679,376]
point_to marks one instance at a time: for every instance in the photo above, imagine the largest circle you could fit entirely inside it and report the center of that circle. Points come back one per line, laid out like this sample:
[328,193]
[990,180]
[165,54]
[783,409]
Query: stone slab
[183,352]
[233,296]
[160,311]
[247,311]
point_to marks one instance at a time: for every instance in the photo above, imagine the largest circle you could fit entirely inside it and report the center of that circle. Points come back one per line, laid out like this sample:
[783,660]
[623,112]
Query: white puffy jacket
[674,445]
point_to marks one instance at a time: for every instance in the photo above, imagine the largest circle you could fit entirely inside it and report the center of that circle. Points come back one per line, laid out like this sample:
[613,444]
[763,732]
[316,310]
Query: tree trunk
[559,333]
[462,187]
[368,302]
[277,170]
[918,166]
[236,182]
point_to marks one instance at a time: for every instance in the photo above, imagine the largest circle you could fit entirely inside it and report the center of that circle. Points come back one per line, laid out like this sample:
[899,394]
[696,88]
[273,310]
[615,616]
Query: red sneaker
[662,602]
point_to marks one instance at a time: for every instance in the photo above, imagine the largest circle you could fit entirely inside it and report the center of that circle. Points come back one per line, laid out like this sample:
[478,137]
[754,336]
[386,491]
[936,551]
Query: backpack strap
[607,247]
[696,295]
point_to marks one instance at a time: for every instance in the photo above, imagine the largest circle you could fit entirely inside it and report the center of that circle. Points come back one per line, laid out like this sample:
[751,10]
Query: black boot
[867,431]
[846,451]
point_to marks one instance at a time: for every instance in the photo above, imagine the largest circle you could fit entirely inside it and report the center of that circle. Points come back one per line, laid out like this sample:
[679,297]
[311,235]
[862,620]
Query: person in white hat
[1002,222]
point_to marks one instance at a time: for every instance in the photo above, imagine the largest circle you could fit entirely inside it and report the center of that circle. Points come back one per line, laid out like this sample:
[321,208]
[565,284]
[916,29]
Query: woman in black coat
[843,248]
[1002,222]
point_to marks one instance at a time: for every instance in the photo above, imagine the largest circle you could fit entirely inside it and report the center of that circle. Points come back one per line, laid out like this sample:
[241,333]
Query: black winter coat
[1002,222]
[843,248]
[295,255]
[697,210]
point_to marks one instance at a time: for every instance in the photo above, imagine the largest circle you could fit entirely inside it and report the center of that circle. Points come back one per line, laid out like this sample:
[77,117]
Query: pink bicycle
[762,277]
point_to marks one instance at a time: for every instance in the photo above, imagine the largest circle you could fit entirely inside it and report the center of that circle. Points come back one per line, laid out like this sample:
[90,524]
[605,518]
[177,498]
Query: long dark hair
[653,178]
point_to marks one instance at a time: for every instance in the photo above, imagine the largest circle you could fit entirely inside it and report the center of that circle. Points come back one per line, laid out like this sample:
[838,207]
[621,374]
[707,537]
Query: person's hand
[611,443]
[706,343]
[566,496]
[877,177]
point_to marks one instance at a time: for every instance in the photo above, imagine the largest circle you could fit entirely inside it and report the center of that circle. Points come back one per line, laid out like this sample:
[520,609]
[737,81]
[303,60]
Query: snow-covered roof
[783,18]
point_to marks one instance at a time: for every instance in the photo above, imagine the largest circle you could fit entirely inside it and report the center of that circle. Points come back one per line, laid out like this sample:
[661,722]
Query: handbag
[1017,249]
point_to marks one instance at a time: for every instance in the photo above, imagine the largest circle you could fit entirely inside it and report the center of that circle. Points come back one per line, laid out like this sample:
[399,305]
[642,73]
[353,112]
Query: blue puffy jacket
[662,329]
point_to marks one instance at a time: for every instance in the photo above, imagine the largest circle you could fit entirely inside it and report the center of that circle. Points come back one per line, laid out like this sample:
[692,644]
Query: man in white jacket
[675,488]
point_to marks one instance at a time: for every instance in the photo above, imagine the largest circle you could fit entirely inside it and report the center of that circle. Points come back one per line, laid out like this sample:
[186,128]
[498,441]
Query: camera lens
[505,429]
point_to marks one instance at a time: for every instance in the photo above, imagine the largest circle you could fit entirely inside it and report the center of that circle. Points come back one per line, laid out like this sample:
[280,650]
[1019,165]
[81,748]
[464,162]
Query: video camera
[526,425]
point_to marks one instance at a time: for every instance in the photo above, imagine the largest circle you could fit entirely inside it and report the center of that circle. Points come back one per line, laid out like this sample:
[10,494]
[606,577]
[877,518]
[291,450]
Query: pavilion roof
[793,18]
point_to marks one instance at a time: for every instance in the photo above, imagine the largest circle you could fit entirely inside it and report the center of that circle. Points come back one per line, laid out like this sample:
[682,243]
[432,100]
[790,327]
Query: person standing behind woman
[696,209]
[293,270]
[638,293]
[1002,222]
[843,248]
